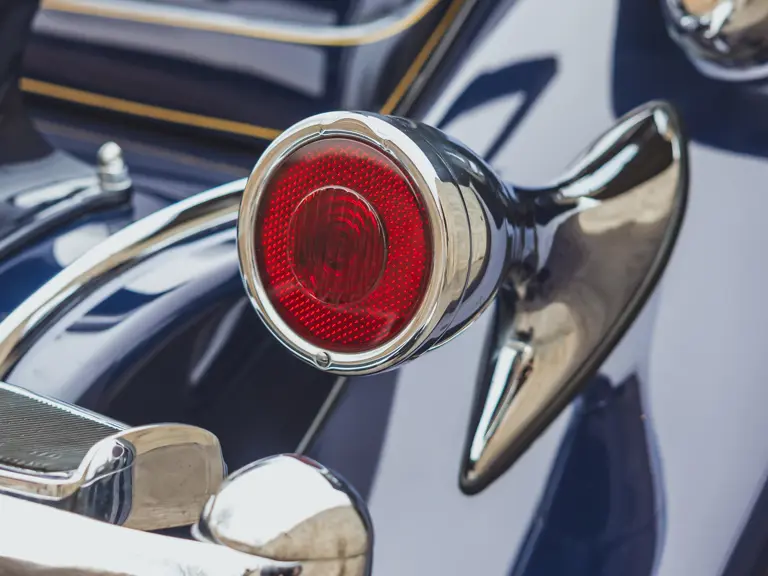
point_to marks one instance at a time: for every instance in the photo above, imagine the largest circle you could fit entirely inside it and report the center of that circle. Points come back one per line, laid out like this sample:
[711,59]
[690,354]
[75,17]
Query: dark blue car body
[657,467]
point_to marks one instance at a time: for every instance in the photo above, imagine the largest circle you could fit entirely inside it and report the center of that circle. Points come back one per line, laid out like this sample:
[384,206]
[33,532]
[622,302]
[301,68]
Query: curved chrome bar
[75,189]
[202,213]
[603,233]
[206,20]
[724,39]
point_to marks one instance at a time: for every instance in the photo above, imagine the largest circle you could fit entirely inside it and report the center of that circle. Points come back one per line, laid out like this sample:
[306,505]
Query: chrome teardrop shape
[604,234]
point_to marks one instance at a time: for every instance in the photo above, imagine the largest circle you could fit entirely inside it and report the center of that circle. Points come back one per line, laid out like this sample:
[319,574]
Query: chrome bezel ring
[448,271]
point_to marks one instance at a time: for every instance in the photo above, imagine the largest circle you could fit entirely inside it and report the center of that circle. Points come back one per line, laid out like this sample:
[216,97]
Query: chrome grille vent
[37,435]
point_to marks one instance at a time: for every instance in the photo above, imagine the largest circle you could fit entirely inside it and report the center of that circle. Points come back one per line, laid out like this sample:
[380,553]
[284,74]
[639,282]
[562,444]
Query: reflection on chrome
[307,514]
[54,189]
[724,39]
[179,265]
[514,361]
[72,244]
[572,263]
[112,170]
[281,516]
[605,232]
[199,215]
[150,477]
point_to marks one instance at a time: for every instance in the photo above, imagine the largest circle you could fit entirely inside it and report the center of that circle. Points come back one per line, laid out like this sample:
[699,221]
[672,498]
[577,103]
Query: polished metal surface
[175,469]
[40,540]
[56,203]
[472,242]
[281,516]
[188,17]
[573,262]
[291,509]
[43,436]
[604,233]
[149,477]
[40,194]
[112,170]
[165,228]
[724,39]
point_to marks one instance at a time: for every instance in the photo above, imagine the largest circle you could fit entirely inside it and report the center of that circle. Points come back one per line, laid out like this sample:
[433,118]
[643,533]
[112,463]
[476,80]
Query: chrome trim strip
[430,55]
[201,213]
[195,19]
[339,385]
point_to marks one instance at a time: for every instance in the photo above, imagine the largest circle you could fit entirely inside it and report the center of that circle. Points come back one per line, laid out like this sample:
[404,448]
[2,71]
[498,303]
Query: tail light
[366,240]
[359,246]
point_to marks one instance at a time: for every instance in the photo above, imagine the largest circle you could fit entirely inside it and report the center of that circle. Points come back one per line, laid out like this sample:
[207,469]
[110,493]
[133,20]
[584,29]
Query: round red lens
[338,246]
[342,245]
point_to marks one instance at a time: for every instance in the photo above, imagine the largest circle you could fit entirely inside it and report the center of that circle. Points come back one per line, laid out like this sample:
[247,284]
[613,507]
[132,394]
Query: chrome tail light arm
[485,234]
[572,262]
[603,235]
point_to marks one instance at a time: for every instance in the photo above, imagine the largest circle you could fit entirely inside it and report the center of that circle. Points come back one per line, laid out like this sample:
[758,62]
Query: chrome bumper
[72,484]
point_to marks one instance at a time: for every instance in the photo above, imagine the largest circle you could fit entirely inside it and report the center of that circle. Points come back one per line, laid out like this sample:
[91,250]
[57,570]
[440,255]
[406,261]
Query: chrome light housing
[469,236]
[488,237]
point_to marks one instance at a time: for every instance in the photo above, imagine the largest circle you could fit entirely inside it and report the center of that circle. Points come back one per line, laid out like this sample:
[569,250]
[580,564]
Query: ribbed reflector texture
[343,245]
[38,435]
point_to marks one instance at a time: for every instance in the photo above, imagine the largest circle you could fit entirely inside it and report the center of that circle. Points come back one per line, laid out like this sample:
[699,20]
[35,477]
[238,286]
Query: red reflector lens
[338,246]
[343,245]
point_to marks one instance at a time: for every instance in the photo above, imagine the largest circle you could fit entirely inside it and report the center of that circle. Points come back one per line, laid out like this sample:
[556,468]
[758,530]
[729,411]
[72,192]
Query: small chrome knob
[289,508]
[112,170]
